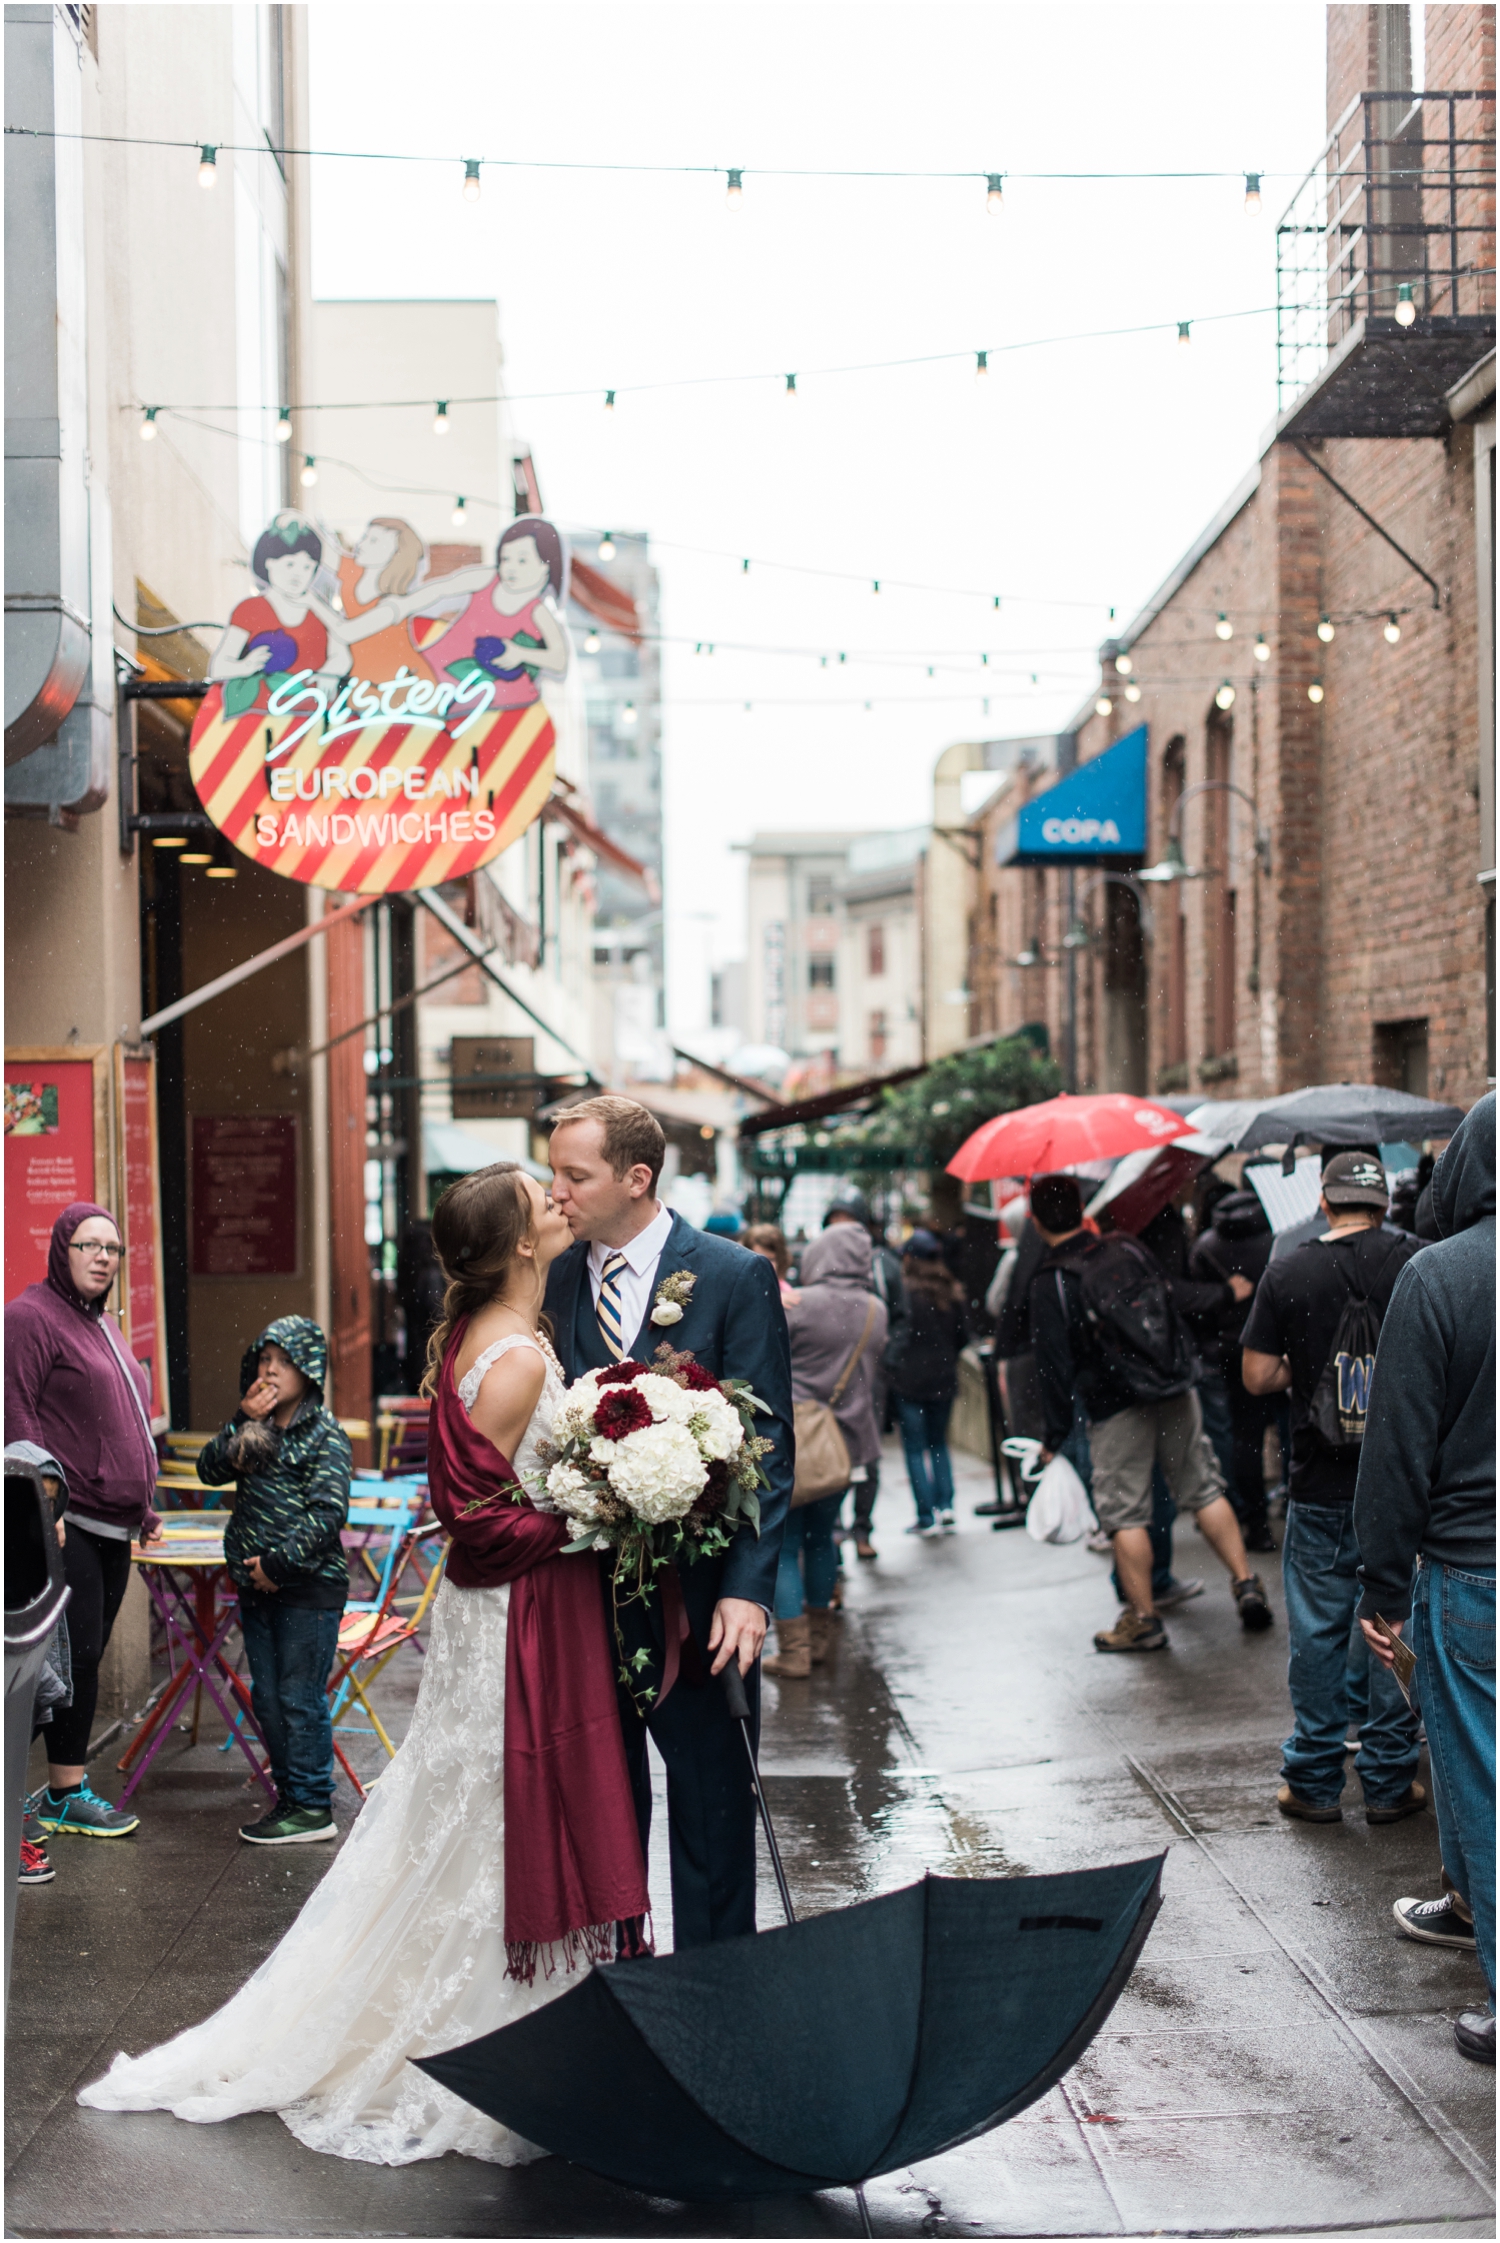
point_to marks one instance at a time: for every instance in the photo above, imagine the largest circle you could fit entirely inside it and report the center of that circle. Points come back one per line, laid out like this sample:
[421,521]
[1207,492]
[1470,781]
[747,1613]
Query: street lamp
[1173,865]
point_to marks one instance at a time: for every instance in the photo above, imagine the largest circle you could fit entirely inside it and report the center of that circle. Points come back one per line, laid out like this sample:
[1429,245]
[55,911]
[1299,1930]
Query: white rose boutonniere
[672,1297]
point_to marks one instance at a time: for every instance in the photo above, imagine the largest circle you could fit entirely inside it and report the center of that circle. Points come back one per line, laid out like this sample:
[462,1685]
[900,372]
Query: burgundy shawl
[573,1867]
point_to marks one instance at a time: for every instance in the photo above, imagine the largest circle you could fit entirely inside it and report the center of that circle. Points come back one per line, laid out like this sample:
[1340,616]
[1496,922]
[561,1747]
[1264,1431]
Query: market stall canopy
[1328,1114]
[1144,1183]
[1060,1132]
[452,1151]
[1096,815]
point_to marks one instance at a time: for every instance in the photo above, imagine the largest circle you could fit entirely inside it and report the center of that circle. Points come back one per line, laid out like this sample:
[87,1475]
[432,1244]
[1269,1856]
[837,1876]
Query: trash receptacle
[35,1594]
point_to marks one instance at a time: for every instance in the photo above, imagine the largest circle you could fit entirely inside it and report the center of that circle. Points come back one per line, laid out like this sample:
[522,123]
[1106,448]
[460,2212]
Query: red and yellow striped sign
[386,806]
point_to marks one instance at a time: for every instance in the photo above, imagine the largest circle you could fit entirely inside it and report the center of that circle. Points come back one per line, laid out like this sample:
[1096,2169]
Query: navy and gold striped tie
[609,1311]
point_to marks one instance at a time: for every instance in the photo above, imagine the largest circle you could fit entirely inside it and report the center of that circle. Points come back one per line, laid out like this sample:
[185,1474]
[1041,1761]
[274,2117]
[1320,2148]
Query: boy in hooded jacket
[291,1463]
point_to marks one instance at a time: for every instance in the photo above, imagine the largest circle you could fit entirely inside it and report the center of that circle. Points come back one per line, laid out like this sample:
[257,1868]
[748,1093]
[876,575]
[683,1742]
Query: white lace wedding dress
[401,1950]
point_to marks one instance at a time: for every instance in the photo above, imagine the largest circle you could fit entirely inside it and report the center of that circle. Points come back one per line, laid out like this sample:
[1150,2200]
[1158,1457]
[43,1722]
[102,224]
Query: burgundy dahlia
[622,1413]
[696,1379]
[620,1374]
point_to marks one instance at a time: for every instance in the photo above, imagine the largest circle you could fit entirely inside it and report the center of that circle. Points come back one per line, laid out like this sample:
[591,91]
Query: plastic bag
[1059,1511]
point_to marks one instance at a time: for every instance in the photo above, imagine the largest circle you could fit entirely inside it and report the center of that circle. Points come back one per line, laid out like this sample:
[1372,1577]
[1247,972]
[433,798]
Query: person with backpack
[1105,1329]
[1313,1329]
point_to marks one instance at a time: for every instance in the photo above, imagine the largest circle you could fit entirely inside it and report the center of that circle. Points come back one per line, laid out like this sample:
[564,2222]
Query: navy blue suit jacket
[735,1326]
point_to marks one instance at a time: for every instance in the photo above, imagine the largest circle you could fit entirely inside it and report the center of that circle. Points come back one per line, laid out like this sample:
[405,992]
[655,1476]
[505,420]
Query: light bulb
[148,425]
[1184,331]
[1103,705]
[1223,629]
[791,385]
[195,856]
[440,421]
[1406,310]
[460,515]
[208,166]
[609,401]
[592,643]
[220,872]
[1261,650]
[1132,691]
[1252,191]
[606,547]
[284,425]
[1315,690]
[471,179]
[735,189]
[1124,665]
[994,198]
[981,364]
[1325,629]
[1224,698]
[169,841]
[628,715]
[309,471]
[1392,632]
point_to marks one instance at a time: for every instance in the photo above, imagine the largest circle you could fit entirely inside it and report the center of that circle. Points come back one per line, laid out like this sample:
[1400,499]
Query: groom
[604,1299]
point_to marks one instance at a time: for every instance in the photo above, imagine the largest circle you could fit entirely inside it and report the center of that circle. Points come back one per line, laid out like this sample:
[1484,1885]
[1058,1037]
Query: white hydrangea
[670,1403]
[715,1424]
[574,1420]
[657,1471]
[572,1491]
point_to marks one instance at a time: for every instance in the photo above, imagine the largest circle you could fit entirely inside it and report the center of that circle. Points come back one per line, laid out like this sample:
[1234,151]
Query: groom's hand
[739,1630]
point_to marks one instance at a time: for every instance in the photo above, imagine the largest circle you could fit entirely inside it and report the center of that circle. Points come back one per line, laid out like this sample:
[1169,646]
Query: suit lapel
[678,1253]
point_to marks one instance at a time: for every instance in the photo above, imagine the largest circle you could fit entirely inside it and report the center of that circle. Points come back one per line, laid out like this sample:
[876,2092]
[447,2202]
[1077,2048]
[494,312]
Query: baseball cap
[1355,1180]
[851,1205]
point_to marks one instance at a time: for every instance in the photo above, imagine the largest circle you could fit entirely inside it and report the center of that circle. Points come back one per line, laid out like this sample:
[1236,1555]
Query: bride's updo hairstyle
[476,1227]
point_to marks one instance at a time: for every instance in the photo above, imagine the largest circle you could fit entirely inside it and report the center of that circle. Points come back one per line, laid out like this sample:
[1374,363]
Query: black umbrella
[1342,1114]
[860,2040]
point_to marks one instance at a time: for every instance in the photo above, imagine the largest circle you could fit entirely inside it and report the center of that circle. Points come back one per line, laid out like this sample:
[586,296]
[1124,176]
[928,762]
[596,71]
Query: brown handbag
[822,1453]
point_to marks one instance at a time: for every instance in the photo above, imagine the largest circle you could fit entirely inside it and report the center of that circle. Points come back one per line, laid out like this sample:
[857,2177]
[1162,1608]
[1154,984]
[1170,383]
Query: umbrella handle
[739,1710]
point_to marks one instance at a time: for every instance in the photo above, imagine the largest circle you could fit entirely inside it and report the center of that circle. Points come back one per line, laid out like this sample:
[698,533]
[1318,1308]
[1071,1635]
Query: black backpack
[1136,1330]
[1341,1398]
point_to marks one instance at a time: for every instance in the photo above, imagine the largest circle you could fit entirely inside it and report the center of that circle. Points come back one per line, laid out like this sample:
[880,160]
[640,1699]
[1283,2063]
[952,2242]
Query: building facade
[832,971]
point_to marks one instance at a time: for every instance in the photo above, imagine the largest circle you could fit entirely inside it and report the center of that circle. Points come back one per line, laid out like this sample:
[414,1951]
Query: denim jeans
[1452,1632]
[924,1437]
[290,1649]
[809,1538]
[1318,1562]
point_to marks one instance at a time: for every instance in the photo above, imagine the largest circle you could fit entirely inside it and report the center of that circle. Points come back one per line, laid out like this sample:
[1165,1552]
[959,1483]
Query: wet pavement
[1281,2062]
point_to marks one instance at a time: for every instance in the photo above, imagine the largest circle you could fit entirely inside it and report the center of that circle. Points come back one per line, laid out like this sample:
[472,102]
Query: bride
[498,1854]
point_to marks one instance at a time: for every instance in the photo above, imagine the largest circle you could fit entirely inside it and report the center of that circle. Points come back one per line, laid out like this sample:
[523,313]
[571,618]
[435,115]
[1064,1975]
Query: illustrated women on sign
[509,630]
[386,562]
[288,626]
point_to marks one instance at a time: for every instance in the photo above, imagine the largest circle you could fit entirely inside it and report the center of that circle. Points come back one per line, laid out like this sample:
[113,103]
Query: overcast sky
[1067,482]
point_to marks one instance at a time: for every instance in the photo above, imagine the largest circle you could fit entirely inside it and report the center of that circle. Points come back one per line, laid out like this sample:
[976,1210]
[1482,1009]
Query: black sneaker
[1253,1604]
[291,1826]
[1437,1922]
[1474,2036]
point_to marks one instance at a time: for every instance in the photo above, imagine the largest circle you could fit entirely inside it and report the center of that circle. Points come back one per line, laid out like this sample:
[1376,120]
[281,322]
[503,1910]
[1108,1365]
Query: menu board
[244,1195]
[139,1204]
[56,1143]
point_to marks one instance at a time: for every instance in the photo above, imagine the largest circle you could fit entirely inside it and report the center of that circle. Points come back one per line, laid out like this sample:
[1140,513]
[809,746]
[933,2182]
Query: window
[1221,1024]
[820,973]
[877,1036]
[1174,1041]
[819,895]
[1401,1056]
[875,953]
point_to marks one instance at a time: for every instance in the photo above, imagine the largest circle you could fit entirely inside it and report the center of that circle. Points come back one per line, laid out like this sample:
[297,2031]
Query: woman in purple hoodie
[73,1387]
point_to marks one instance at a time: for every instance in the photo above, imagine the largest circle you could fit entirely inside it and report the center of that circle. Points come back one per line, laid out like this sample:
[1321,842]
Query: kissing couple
[503,1850]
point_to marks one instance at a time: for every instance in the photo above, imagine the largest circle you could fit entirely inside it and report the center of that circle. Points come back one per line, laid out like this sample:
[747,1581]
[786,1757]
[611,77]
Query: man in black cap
[1292,1339]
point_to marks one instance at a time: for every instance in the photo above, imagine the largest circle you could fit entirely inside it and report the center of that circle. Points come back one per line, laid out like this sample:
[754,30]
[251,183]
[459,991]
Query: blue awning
[1096,815]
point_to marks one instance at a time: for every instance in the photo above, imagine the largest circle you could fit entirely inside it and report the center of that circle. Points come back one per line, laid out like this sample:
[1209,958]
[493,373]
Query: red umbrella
[1060,1131]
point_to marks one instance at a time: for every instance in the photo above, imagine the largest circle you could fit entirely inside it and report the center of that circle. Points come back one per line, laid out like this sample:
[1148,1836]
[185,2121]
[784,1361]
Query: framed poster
[56,1147]
[138,1199]
[244,1195]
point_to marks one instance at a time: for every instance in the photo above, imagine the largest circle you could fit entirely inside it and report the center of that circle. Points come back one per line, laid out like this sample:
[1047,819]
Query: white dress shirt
[635,1281]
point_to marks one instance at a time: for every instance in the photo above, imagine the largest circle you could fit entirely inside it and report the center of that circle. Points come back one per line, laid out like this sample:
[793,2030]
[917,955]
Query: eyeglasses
[97,1246]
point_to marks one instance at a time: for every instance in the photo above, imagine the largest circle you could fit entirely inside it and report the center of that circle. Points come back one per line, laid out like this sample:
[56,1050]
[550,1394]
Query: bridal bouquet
[655,1464]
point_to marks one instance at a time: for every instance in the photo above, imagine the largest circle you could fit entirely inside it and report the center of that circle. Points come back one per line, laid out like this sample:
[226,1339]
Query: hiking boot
[36,1869]
[820,1634]
[1411,1802]
[1437,1922]
[1289,1802]
[291,1826]
[1474,2036]
[1176,1592]
[83,1814]
[1253,1605]
[793,1660]
[863,1546]
[1133,1631]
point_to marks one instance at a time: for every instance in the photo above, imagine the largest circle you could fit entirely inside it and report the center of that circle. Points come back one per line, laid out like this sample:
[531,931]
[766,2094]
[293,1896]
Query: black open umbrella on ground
[860,2041]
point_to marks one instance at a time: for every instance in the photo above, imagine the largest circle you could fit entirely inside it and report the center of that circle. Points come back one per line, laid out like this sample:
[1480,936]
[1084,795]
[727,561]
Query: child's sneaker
[36,1869]
[291,1826]
[84,1814]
